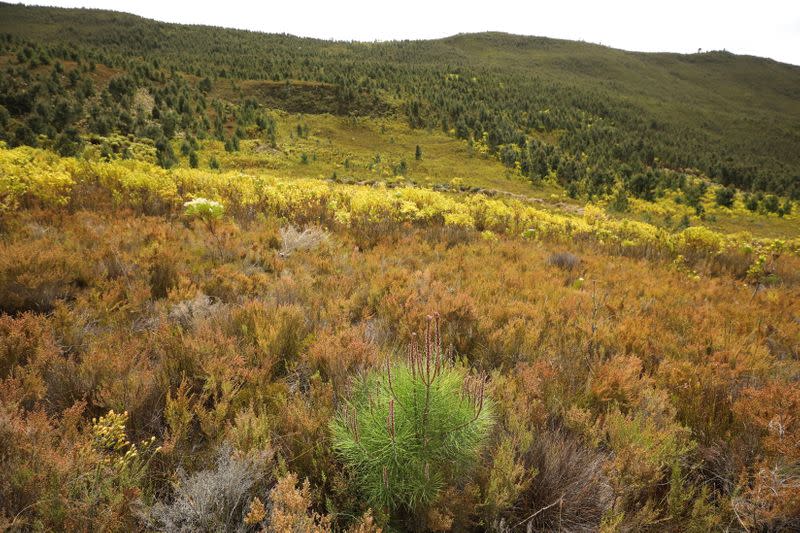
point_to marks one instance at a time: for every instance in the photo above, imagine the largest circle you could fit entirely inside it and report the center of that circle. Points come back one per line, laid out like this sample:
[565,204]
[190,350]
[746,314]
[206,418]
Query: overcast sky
[768,28]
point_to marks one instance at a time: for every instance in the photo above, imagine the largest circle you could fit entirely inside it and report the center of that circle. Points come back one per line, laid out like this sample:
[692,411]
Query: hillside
[734,118]
[259,283]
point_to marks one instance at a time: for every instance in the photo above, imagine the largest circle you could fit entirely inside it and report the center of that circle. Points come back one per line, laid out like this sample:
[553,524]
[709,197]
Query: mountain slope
[736,118]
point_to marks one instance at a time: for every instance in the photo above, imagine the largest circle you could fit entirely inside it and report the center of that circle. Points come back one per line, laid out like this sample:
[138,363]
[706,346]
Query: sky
[766,28]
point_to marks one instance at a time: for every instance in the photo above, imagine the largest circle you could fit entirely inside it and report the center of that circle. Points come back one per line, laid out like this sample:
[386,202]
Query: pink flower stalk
[428,349]
[412,355]
[390,418]
[351,418]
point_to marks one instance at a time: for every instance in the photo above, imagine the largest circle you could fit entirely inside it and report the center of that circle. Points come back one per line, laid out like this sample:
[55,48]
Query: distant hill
[593,115]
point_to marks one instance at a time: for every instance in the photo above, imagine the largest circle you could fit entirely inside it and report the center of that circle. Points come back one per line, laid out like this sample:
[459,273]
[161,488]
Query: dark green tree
[205,85]
[165,155]
[68,143]
[725,196]
[771,203]
[751,202]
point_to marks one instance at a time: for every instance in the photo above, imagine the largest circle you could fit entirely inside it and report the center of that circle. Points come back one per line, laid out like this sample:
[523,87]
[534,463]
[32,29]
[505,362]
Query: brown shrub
[229,284]
[618,380]
[769,498]
[36,274]
[278,333]
[290,509]
[163,275]
[340,356]
[774,412]
[569,490]
[21,338]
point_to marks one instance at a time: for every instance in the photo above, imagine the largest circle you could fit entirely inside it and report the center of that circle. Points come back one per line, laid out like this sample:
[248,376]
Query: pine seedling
[413,427]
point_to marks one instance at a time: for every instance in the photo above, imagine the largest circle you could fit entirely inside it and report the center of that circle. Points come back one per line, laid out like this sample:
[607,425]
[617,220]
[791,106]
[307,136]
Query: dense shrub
[35,274]
[163,275]
[256,351]
[289,509]
[564,260]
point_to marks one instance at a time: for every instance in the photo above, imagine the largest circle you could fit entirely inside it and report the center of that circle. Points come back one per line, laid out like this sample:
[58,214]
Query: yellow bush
[30,176]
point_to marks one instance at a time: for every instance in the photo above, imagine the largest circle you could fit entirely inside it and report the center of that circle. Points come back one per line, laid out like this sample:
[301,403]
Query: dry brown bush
[569,490]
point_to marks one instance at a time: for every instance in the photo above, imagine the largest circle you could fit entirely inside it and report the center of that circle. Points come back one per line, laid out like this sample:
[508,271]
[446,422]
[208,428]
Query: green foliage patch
[412,428]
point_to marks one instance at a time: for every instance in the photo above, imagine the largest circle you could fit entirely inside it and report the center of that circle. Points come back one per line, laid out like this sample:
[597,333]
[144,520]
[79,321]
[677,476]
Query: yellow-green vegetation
[360,149]
[382,150]
[669,211]
[34,177]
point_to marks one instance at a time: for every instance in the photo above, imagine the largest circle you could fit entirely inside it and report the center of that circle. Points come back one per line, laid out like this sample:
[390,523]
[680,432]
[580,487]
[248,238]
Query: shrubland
[392,286]
[595,119]
[169,332]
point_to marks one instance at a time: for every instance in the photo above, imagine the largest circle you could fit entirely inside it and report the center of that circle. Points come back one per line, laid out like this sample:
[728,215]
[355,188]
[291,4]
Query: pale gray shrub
[187,312]
[564,260]
[294,240]
[213,500]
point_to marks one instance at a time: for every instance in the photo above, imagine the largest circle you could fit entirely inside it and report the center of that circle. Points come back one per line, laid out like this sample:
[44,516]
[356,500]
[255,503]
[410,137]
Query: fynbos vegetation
[396,286]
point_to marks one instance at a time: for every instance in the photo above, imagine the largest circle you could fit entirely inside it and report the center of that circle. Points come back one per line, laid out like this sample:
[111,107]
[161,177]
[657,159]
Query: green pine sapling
[413,427]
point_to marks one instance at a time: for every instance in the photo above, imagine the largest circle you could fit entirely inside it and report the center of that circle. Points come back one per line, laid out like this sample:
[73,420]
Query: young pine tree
[413,427]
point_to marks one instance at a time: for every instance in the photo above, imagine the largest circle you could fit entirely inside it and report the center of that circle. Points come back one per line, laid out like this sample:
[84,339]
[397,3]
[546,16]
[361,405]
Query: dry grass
[640,361]
[570,490]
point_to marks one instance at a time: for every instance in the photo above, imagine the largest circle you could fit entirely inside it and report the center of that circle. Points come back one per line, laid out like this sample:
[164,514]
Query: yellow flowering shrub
[699,240]
[29,175]
[110,440]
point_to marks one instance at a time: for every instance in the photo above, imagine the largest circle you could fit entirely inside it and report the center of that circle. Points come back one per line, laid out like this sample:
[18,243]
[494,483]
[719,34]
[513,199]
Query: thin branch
[546,507]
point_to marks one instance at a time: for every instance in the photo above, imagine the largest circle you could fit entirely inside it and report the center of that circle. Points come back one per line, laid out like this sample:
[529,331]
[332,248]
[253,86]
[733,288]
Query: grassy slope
[332,140]
[719,93]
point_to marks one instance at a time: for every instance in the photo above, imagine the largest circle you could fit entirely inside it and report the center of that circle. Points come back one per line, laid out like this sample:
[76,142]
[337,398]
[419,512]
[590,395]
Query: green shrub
[412,428]
[751,202]
[771,203]
[725,196]
[208,211]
